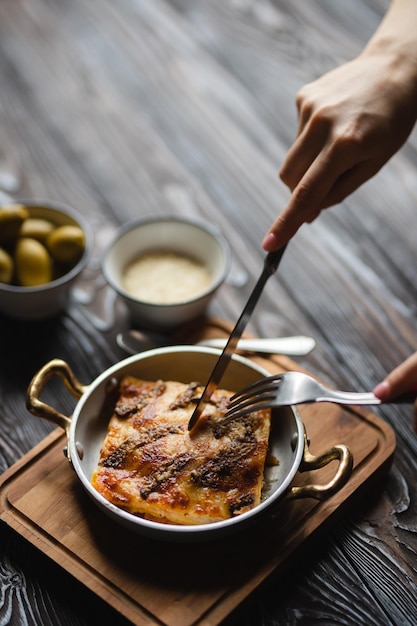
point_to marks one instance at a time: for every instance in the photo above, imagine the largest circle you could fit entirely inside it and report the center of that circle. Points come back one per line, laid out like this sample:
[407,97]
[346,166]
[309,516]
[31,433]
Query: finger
[306,202]
[305,209]
[302,154]
[304,116]
[306,106]
[401,380]
[350,181]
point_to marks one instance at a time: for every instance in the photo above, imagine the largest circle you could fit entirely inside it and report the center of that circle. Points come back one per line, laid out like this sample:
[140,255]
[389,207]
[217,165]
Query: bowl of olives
[43,249]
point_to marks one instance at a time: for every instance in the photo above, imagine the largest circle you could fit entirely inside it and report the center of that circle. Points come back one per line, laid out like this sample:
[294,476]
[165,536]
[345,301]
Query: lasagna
[152,466]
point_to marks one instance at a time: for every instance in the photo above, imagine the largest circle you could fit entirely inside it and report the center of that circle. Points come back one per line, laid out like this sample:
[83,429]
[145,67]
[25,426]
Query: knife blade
[272,260]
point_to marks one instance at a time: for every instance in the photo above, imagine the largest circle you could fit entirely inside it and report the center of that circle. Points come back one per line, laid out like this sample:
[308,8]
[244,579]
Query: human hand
[401,380]
[351,121]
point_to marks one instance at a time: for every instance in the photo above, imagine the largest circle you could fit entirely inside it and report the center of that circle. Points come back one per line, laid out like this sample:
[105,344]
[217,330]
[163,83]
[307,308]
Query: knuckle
[302,195]
[350,138]
[286,177]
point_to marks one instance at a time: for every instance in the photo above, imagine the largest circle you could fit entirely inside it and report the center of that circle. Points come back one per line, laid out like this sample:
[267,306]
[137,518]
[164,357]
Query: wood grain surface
[200,583]
[132,108]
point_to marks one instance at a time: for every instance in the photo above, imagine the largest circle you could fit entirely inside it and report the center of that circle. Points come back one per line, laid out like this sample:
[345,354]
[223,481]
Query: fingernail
[381,390]
[270,242]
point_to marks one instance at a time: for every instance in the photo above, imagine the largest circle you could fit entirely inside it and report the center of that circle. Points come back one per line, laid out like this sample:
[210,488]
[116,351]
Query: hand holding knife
[271,263]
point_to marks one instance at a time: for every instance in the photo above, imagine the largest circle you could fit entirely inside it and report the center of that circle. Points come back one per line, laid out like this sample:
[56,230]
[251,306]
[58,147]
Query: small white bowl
[182,236]
[50,299]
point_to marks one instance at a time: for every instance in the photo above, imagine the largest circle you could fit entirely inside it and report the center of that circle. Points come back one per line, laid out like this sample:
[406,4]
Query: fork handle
[367,398]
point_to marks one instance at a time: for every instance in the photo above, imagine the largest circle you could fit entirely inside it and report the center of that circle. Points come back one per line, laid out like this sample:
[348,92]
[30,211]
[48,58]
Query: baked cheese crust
[152,466]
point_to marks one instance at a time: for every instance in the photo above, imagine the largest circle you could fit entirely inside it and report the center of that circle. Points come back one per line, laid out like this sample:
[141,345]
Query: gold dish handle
[60,368]
[339,453]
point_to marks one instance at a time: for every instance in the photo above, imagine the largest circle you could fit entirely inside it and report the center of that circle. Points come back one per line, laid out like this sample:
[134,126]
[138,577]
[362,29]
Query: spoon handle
[299,345]
[134,342]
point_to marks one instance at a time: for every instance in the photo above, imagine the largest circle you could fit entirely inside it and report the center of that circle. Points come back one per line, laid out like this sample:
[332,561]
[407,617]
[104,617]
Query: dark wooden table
[132,108]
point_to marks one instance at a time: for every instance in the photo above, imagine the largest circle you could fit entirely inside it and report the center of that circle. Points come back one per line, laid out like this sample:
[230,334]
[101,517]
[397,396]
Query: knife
[272,260]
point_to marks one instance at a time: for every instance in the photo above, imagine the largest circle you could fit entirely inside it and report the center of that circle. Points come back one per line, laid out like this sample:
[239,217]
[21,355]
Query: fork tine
[250,401]
[238,412]
[253,395]
[258,386]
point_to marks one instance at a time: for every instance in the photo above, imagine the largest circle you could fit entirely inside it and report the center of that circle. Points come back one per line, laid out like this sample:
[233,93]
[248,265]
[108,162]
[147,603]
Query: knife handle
[272,260]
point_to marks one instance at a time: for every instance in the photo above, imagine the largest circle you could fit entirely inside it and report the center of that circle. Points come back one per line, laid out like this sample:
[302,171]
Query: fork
[292,388]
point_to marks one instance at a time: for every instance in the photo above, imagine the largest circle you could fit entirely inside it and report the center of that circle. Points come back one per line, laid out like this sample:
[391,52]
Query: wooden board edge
[234,603]
[25,461]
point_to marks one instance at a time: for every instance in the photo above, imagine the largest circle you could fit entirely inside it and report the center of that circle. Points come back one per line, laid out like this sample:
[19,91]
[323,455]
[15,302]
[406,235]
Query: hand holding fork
[291,388]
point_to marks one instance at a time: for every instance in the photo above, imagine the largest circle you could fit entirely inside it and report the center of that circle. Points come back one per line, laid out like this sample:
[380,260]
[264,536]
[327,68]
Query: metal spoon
[134,341]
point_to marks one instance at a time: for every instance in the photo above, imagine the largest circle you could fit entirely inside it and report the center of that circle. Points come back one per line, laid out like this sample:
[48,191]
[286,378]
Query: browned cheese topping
[152,466]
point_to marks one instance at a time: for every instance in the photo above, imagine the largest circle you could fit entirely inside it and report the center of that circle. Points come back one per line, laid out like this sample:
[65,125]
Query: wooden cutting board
[158,583]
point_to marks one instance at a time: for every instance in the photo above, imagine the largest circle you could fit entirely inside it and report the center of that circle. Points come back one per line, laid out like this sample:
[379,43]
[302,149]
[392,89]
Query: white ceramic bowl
[182,236]
[50,299]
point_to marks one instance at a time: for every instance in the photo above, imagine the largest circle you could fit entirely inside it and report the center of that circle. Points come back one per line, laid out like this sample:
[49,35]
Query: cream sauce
[163,277]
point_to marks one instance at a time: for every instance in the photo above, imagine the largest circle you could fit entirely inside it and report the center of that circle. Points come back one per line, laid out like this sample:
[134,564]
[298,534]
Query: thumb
[401,380]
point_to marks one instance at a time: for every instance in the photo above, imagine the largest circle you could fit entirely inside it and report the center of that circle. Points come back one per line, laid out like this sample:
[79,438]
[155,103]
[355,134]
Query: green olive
[36,228]
[12,217]
[6,267]
[66,243]
[33,263]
